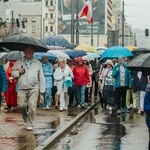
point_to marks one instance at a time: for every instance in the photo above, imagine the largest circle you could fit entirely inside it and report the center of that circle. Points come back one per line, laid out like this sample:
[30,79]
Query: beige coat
[33,78]
[90,74]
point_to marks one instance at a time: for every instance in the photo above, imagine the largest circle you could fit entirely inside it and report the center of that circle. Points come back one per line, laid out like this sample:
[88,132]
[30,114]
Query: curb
[47,144]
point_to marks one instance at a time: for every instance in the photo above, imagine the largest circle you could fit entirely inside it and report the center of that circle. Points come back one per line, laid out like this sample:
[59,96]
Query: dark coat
[139,84]
[147,108]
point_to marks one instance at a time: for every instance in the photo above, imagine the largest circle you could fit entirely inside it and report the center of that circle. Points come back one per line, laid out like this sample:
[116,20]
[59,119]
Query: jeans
[47,97]
[80,94]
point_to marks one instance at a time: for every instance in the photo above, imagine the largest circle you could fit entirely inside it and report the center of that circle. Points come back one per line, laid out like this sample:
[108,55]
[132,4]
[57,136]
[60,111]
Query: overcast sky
[137,13]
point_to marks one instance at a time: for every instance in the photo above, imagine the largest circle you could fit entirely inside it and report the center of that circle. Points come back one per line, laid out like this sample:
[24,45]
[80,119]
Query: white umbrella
[59,54]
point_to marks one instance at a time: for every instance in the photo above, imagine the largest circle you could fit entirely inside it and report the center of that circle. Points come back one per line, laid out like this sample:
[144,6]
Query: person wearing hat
[81,79]
[48,72]
[107,83]
[60,74]
[122,81]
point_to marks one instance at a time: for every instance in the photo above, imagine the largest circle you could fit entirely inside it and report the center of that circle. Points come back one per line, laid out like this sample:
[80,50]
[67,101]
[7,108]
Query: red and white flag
[87,12]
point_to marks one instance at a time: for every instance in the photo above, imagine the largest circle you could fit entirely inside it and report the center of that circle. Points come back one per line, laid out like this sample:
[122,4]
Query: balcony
[51,21]
[51,8]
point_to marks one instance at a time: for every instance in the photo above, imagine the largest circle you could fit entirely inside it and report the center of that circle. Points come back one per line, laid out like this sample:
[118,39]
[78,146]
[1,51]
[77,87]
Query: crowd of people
[28,82]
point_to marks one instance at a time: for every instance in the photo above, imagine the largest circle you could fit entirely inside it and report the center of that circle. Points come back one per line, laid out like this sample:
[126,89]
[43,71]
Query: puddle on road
[29,141]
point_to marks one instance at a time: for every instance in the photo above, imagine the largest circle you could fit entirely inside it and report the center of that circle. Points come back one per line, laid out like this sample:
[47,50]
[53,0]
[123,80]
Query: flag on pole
[87,12]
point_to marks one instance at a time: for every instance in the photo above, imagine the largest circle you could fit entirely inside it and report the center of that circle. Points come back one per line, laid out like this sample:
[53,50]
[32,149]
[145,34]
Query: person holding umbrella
[31,81]
[122,81]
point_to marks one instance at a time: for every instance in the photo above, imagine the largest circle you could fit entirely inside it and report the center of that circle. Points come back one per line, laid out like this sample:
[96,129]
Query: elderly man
[31,81]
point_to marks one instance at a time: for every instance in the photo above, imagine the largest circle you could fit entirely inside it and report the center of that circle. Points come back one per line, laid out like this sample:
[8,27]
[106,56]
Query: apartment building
[49,17]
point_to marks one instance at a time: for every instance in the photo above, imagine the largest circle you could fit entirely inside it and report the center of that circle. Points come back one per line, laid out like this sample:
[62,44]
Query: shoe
[61,109]
[85,104]
[47,108]
[139,111]
[82,106]
[44,108]
[78,106]
[29,128]
[66,108]
[110,108]
[107,107]
[56,106]
[118,111]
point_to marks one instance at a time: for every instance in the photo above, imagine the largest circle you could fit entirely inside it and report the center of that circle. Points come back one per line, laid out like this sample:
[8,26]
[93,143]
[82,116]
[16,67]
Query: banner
[64,17]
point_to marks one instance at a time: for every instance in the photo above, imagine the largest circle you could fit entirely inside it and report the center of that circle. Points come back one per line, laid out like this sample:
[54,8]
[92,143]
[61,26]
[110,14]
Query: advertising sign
[66,9]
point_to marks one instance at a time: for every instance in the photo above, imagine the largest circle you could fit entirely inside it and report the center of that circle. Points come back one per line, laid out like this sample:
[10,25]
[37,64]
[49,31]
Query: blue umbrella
[39,55]
[75,53]
[116,52]
[95,55]
[56,40]
[68,82]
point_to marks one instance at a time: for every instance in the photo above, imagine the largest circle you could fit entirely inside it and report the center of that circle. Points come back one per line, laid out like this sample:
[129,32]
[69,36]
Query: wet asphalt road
[106,131]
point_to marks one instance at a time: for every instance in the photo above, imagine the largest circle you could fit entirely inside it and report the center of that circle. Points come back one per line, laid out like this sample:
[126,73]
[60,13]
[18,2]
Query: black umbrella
[140,63]
[140,50]
[19,42]
[13,55]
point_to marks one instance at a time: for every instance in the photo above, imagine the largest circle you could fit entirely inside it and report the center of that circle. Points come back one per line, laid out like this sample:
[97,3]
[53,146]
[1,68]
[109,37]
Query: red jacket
[81,75]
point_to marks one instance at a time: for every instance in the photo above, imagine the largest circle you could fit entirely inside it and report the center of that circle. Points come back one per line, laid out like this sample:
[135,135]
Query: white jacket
[33,76]
[58,80]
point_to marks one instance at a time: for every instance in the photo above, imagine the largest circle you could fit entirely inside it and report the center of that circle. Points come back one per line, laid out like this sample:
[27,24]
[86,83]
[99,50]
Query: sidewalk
[14,136]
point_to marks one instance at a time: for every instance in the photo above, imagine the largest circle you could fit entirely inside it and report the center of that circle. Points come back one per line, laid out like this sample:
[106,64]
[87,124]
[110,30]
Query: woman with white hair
[60,74]
[107,82]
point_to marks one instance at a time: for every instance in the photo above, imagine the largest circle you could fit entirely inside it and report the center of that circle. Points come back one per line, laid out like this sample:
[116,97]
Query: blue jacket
[116,76]
[48,72]
[3,80]
[147,108]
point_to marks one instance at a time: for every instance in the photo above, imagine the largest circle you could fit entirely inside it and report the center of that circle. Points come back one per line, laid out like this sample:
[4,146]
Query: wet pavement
[99,130]
[14,136]
[108,131]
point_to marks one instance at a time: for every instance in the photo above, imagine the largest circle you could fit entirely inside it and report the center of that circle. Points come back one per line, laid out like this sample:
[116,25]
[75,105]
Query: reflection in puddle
[29,140]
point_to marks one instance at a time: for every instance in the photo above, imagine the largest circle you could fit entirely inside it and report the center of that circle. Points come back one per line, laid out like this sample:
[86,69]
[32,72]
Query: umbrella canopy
[59,54]
[19,42]
[131,47]
[140,63]
[116,52]
[56,47]
[95,55]
[140,50]
[56,40]
[12,56]
[39,55]
[86,47]
[75,53]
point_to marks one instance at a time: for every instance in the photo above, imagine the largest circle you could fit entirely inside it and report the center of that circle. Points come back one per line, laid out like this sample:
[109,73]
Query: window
[33,29]
[51,15]
[46,16]
[51,28]
[46,3]
[51,3]
[46,29]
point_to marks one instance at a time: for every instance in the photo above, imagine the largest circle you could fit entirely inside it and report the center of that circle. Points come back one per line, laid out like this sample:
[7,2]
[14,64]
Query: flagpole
[72,23]
[92,26]
[77,22]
